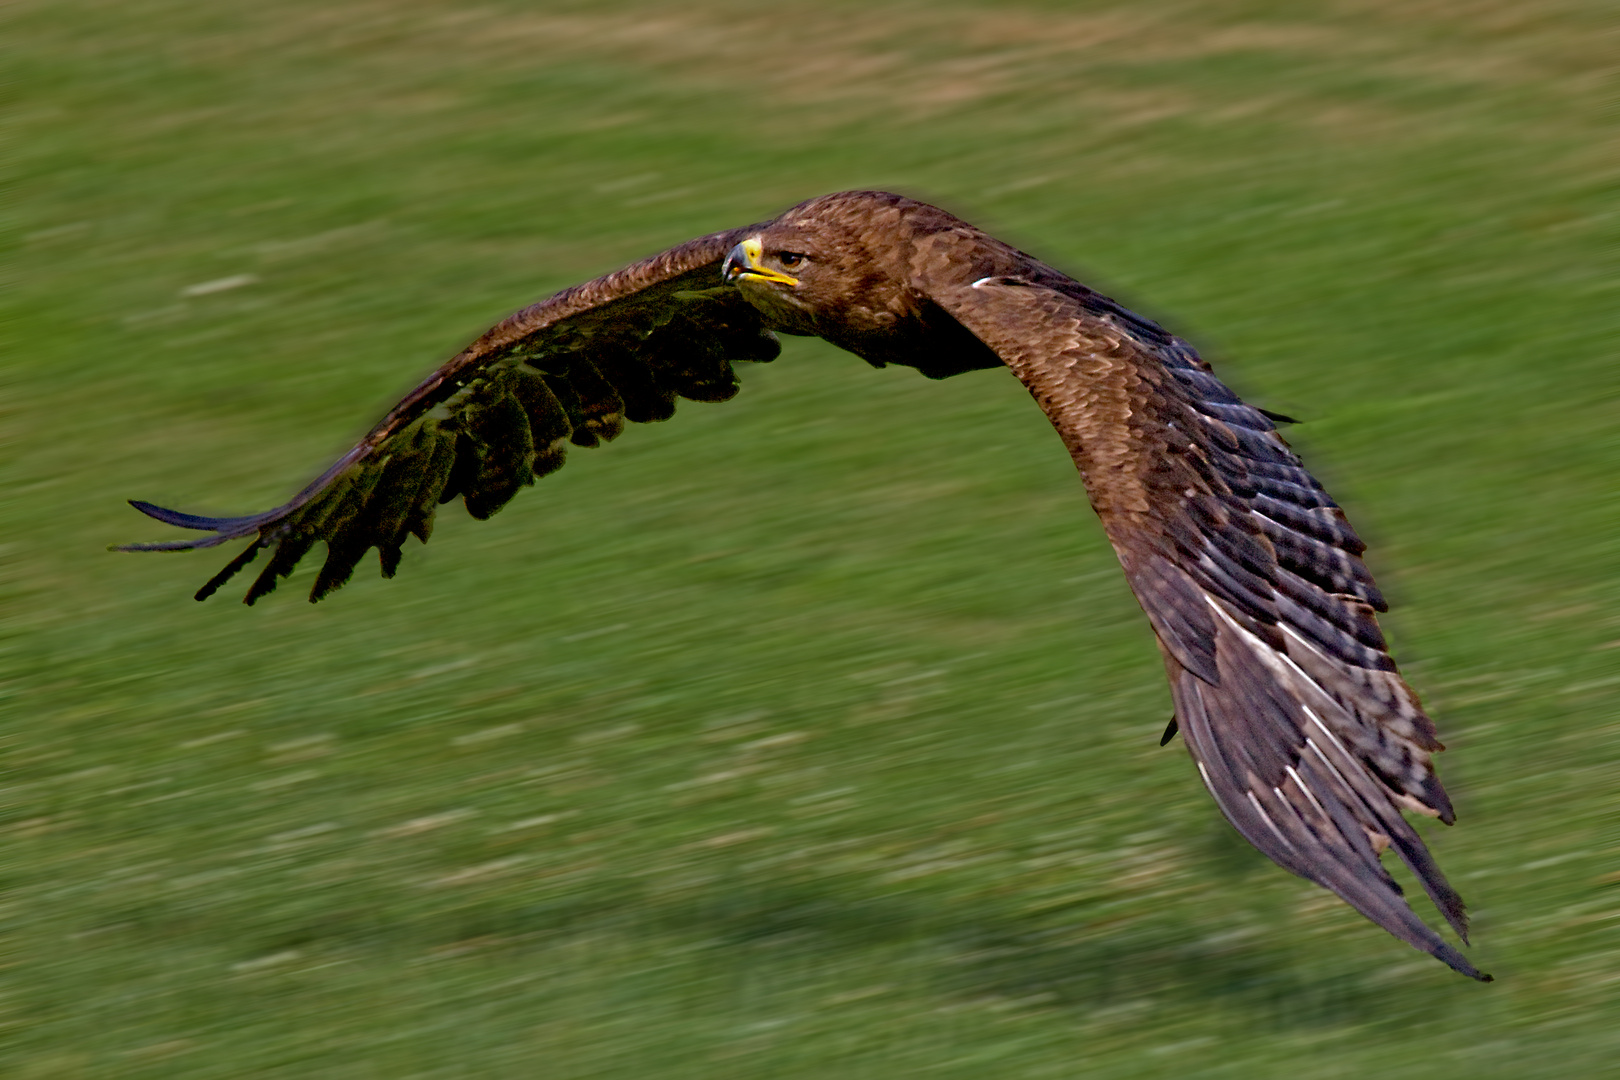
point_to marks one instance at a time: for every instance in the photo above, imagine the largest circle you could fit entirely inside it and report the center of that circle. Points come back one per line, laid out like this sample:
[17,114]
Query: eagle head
[831,266]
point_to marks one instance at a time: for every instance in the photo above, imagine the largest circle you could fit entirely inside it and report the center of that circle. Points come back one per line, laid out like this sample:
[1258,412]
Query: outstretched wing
[1301,727]
[570,369]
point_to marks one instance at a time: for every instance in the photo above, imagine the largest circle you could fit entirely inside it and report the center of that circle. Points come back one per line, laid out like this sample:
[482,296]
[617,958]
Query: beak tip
[735,264]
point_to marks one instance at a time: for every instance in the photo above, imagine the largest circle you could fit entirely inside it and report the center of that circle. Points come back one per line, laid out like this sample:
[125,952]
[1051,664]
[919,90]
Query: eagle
[1284,690]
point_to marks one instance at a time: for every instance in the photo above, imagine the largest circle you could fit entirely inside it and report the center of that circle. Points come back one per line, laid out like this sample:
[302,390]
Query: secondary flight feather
[1299,723]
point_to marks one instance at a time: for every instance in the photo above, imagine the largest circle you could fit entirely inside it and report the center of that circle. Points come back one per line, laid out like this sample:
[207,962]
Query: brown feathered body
[1251,577]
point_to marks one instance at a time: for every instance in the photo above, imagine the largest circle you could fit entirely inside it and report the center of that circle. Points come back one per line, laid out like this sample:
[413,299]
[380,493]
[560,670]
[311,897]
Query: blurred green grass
[813,734]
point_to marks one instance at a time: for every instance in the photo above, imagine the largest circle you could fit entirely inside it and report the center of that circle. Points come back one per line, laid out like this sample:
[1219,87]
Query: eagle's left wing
[1302,729]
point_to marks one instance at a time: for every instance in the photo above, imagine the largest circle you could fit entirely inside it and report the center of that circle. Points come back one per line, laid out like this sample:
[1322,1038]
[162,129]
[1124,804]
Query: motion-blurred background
[814,734]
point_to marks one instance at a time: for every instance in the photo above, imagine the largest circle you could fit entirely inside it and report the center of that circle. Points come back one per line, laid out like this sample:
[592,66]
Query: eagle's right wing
[570,369]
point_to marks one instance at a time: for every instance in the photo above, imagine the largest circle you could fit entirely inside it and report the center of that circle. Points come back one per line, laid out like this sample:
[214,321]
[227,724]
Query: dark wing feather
[570,369]
[1301,727]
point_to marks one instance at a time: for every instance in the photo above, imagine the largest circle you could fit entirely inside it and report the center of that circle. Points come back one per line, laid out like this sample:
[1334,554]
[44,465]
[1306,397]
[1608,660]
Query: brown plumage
[1252,579]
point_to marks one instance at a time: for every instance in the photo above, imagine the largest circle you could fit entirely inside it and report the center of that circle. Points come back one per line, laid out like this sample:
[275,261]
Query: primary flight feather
[1251,577]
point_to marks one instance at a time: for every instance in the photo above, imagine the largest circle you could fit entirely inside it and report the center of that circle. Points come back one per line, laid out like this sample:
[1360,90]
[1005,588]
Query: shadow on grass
[1084,963]
[1089,962]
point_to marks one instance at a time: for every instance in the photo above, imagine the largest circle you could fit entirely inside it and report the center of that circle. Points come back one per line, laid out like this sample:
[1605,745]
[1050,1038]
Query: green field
[814,734]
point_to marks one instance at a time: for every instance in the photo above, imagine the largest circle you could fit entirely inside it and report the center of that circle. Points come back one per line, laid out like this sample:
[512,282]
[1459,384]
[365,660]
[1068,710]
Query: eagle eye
[790,259]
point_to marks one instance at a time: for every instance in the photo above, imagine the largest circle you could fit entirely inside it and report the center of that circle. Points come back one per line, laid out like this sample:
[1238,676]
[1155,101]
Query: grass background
[814,734]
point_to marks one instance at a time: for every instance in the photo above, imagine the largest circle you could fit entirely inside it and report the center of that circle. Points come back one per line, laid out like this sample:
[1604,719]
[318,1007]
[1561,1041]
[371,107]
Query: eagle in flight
[1287,698]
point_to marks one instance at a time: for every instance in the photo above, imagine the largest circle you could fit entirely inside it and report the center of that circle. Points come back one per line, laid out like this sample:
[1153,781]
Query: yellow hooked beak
[743,261]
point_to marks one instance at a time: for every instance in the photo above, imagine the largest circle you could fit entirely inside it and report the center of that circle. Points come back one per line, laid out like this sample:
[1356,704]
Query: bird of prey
[1300,725]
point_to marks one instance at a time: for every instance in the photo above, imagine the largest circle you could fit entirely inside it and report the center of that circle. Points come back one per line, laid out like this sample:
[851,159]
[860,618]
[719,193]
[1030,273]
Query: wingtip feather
[250,553]
[224,528]
[182,520]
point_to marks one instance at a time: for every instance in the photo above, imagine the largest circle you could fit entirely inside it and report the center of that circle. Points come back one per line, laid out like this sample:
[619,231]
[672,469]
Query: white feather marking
[1254,802]
[1331,767]
[1317,720]
[1283,665]
[981,281]
[1279,662]
[1401,798]
[1309,794]
[1297,636]
[1286,805]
